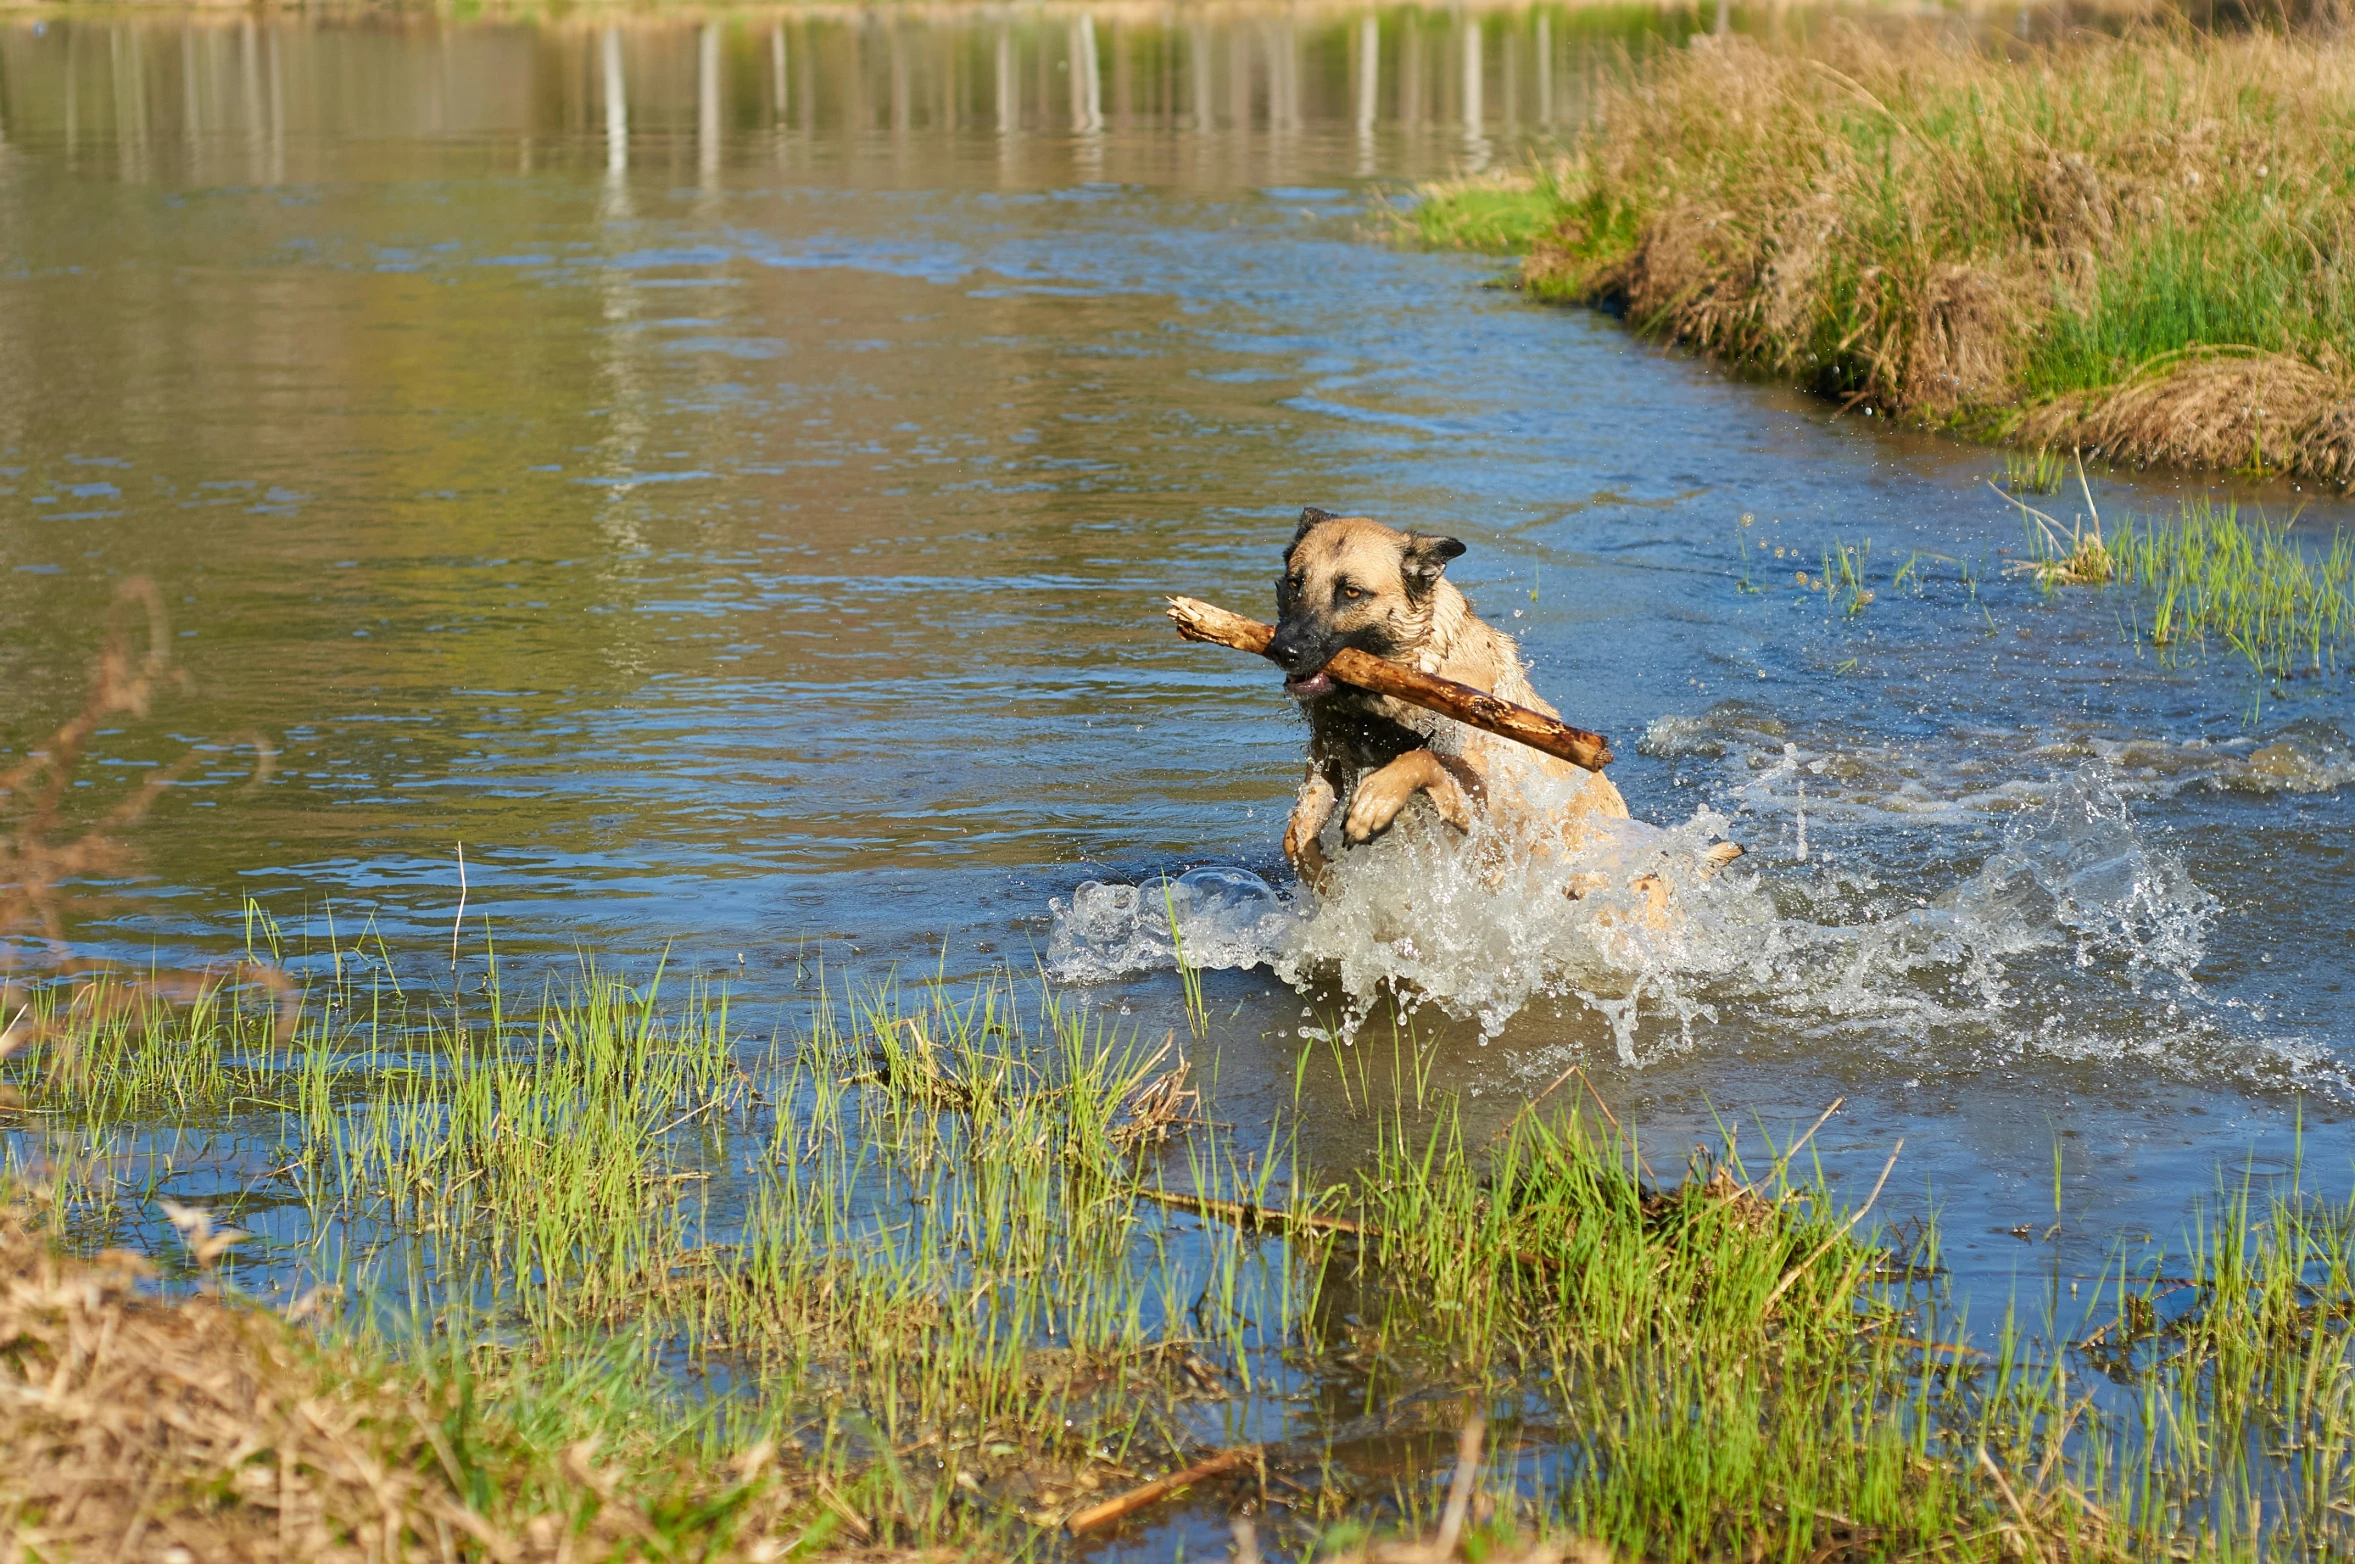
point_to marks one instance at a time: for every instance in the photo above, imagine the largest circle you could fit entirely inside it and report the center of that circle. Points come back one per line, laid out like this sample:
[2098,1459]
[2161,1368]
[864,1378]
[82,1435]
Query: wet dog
[1349,581]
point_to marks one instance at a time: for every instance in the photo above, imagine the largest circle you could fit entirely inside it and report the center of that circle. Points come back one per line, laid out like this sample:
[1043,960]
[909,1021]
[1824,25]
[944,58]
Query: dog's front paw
[1306,853]
[1379,799]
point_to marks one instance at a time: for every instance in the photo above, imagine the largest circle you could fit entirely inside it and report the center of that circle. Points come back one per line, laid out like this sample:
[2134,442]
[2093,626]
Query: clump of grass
[2285,607]
[2037,472]
[1716,1348]
[1500,213]
[2058,556]
[2205,571]
[2136,245]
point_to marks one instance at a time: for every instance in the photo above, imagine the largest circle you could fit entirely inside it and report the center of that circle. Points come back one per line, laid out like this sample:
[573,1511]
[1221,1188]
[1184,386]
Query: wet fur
[1350,581]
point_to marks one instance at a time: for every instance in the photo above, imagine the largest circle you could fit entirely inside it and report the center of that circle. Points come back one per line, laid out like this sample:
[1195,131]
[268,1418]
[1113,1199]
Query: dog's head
[1349,581]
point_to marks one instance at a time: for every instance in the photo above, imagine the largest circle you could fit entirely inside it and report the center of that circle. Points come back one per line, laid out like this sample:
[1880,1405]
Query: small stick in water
[1200,621]
[1160,1488]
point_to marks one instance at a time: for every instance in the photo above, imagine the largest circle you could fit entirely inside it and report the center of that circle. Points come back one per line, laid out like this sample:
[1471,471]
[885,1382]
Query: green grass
[1494,217]
[2243,275]
[2284,604]
[908,1249]
[2286,607]
[2033,472]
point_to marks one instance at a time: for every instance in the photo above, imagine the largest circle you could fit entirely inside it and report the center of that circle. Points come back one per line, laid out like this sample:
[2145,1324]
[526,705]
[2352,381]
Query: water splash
[1479,926]
[2055,928]
[1220,917]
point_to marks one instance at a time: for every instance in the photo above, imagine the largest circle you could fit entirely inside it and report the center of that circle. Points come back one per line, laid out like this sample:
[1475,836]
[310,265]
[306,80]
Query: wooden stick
[1160,1488]
[1200,621]
[1252,1216]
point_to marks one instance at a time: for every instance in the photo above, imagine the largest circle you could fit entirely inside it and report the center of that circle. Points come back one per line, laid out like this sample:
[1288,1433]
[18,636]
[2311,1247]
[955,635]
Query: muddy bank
[2136,246]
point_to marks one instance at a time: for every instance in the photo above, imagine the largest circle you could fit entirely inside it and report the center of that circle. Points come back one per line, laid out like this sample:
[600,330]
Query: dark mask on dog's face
[1352,582]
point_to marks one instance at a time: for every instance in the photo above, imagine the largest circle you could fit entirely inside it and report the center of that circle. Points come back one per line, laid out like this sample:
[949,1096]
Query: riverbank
[2143,247]
[605,1277]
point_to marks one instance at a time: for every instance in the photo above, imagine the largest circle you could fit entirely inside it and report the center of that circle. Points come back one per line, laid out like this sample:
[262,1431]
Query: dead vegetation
[2139,246]
[133,1428]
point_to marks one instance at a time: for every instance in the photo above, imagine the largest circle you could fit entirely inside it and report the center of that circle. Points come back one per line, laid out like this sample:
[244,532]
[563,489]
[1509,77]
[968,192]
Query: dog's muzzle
[1302,654]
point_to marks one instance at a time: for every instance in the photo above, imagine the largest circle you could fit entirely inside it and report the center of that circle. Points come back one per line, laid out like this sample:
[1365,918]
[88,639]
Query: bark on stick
[1200,621]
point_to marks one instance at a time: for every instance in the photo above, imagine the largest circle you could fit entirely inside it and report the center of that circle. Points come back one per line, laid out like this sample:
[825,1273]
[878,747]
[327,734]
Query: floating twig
[1160,1488]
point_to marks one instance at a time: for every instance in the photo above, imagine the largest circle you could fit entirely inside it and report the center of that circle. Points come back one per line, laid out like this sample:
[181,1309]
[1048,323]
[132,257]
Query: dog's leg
[1381,795]
[1309,815]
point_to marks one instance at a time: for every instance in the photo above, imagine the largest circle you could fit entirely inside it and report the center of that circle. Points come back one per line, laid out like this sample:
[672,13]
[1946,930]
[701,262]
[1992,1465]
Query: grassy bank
[2141,247]
[608,1275]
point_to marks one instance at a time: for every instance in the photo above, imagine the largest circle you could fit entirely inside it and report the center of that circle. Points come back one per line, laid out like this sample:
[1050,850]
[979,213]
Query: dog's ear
[1426,560]
[1309,517]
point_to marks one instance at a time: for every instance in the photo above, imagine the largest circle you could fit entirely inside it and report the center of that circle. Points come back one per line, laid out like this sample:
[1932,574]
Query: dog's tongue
[1309,688]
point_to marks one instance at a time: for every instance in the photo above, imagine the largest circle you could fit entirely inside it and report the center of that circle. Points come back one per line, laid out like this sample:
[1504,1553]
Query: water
[724,477]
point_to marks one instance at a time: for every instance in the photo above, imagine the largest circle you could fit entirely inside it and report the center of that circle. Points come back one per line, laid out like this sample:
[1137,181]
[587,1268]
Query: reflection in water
[617,111]
[214,94]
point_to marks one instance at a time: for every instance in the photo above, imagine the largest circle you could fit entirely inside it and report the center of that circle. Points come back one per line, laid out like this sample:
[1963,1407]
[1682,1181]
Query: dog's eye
[1352,593]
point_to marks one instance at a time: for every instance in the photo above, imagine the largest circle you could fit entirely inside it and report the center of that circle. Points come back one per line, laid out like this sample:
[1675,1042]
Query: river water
[723,475]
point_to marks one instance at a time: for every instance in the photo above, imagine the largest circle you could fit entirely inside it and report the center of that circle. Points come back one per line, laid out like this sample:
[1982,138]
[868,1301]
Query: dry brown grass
[2141,246]
[133,1428]
[2215,407]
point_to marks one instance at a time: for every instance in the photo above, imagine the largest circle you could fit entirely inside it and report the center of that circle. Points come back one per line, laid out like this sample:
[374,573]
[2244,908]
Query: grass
[2033,472]
[608,1274]
[2206,573]
[2139,246]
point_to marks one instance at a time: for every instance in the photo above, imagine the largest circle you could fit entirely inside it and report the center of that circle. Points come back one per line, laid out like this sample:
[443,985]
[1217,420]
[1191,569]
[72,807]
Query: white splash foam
[1967,774]
[1219,917]
[1479,925]
[2074,936]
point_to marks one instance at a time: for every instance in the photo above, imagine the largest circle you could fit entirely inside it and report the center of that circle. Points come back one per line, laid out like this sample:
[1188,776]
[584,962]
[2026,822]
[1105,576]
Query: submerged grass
[2140,246]
[606,1276]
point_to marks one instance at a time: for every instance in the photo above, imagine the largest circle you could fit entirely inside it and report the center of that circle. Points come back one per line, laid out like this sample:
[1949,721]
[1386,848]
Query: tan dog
[1349,581]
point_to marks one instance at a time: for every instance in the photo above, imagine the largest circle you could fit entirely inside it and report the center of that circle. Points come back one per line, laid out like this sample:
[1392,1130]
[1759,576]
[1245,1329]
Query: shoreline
[2138,247]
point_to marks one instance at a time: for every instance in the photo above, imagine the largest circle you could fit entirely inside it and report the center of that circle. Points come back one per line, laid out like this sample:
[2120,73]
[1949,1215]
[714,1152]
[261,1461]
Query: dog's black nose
[1287,651]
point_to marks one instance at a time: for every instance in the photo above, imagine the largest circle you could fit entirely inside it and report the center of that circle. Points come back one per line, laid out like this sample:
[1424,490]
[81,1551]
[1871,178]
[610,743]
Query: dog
[1349,581]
